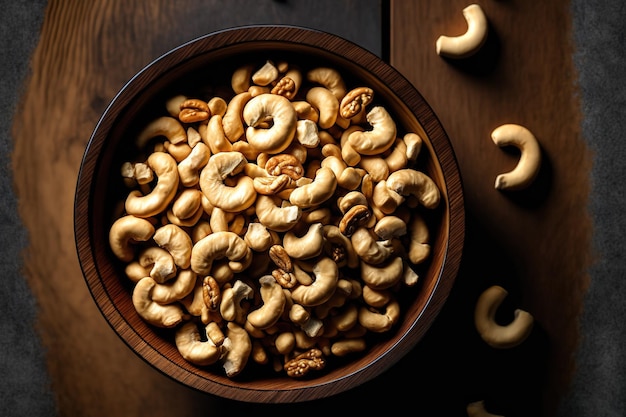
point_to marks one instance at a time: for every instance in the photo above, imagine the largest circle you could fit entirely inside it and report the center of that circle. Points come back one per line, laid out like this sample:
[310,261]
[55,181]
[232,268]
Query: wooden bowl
[199,66]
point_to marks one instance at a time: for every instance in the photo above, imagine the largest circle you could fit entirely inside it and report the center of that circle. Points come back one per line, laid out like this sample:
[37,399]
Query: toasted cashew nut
[278,109]
[177,242]
[273,304]
[412,182]
[237,347]
[369,249]
[192,348]
[159,315]
[232,199]
[326,275]
[530,158]
[214,136]
[166,126]
[175,289]
[329,78]
[258,237]
[389,227]
[160,262]
[419,246]
[380,138]
[127,230]
[307,246]
[477,409]
[241,78]
[326,104]
[471,41]
[265,75]
[494,334]
[381,277]
[379,322]
[317,192]
[187,203]
[166,170]
[339,247]
[189,168]
[232,121]
[216,246]
[279,219]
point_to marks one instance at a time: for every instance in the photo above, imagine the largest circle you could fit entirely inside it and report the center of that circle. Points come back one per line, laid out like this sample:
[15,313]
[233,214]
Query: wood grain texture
[536,243]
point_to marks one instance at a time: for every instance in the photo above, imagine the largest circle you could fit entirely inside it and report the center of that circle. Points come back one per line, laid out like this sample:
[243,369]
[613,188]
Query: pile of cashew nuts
[276,225]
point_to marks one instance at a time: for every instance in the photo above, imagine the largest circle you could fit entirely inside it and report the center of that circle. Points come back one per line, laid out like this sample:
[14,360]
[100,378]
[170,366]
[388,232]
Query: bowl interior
[203,68]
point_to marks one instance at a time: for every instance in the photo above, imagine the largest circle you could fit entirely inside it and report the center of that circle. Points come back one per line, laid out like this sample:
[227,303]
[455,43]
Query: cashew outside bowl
[494,334]
[529,163]
[471,41]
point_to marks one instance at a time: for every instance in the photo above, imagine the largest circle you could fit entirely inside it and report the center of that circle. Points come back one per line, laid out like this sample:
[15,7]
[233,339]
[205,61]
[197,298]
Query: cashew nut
[278,110]
[389,227]
[273,304]
[214,136]
[166,126]
[493,333]
[216,246]
[370,249]
[232,121]
[160,262]
[166,170]
[380,321]
[177,242]
[127,230]
[274,217]
[160,315]
[380,138]
[189,168]
[329,78]
[307,246]
[409,181]
[192,348]
[382,276]
[317,192]
[326,104]
[237,346]
[339,247]
[471,41]
[419,246]
[529,163]
[232,199]
[326,275]
[231,307]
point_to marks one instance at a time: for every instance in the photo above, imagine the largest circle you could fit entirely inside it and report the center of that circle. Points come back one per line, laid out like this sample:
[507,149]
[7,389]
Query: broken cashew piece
[471,41]
[493,333]
[530,156]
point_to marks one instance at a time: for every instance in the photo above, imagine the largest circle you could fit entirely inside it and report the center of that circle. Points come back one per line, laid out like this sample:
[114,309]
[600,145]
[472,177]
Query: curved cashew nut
[380,138]
[232,121]
[369,249]
[419,246]
[471,41]
[278,110]
[315,193]
[189,168]
[408,181]
[307,246]
[477,409]
[274,302]
[192,348]
[346,346]
[126,230]
[237,347]
[389,227]
[322,99]
[214,136]
[494,334]
[153,203]
[326,276]
[241,78]
[177,242]
[279,219]
[530,159]
[382,277]
[160,262]
[339,247]
[231,307]
[166,126]
[231,199]
[379,322]
[159,315]
[175,289]
[216,246]
[329,78]
[187,203]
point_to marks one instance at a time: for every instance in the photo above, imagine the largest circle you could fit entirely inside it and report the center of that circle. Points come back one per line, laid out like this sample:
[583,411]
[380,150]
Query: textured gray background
[599,388]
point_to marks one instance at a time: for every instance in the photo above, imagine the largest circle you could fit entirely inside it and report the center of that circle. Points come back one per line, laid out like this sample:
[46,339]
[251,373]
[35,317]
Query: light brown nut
[354,218]
[284,164]
[272,185]
[346,346]
[211,293]
[301,365]
[194,110]
[279,256]
[355,101]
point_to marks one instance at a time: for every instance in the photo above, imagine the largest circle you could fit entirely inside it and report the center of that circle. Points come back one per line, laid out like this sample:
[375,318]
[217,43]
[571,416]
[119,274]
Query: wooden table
[536,243]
